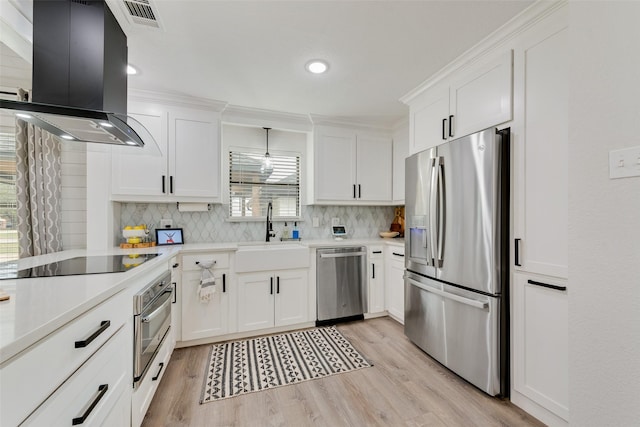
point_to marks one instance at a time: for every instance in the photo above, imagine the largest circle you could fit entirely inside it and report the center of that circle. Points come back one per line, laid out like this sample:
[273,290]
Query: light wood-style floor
[405,387]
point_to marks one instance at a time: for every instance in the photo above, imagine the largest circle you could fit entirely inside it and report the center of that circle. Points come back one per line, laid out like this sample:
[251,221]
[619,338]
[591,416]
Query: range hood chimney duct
[79,88]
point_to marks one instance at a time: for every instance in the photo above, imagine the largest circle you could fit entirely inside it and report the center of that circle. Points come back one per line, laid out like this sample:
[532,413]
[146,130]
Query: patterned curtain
[38,190]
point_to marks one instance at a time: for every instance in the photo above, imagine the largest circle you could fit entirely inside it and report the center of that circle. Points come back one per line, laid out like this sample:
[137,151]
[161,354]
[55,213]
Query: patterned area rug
[241,367]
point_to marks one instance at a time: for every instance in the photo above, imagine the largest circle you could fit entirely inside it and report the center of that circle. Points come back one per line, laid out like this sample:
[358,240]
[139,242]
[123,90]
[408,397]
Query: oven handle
[154,313]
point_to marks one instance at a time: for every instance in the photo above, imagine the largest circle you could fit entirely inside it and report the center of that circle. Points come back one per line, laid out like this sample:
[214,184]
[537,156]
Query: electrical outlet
[335,221]
[624,163]
[316,221]
[166,223]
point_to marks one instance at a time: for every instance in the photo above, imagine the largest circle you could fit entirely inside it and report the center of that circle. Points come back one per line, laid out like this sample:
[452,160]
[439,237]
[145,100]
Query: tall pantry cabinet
[539,288]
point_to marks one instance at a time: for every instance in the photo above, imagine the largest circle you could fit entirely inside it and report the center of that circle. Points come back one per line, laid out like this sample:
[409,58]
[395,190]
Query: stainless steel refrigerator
[456,256]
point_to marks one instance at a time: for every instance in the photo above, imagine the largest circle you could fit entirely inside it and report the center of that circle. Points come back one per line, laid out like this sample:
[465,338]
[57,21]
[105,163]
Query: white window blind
[251,188]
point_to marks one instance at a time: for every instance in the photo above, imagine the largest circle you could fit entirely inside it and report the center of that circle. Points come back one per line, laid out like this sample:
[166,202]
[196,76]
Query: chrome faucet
[270,233]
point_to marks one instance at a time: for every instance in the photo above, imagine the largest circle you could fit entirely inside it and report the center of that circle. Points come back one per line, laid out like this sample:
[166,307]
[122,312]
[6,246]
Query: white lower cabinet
[272,298]
[143,395]
[376,279]
[394,282]
[29,379]
[205,319]
[540,346]
[98,392]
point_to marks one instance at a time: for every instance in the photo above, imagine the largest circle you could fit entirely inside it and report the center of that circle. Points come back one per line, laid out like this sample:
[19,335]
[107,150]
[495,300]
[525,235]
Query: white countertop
[37,307]
[40,306]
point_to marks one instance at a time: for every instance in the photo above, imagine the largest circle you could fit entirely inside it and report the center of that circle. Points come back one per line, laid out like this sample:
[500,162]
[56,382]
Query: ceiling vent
[142,12]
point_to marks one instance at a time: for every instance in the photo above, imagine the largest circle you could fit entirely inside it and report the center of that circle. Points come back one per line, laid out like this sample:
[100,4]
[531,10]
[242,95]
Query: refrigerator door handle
[457,298]
[432,211]
[442,213]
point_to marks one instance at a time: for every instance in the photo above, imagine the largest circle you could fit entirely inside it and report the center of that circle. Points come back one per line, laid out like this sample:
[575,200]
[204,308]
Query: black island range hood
[79,88]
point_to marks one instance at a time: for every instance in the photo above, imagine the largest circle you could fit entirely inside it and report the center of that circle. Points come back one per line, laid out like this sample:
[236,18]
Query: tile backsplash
[212,226]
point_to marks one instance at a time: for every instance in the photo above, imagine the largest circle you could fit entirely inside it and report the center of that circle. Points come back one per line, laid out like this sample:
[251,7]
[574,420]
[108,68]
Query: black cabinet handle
[451,125]
[102,390]
[164,190]
[517,252]
[224,283]
[271,280]
[397,254]
[176,265]
[278,285]
[171,184]
[161,364]
[175,293]
[373,267]
[377,252]
[359,191]
[103,327]
[444,126]
[546,285]
[354,191]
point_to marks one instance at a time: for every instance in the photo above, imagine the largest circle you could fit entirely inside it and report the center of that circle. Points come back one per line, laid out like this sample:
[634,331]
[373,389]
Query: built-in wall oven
[151,323]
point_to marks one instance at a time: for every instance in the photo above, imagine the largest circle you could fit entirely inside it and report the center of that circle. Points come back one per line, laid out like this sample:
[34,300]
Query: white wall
[604,215]
[73,203]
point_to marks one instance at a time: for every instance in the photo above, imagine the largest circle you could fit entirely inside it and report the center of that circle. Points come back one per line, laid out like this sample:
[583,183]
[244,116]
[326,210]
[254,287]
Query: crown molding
[500,37]
[176,99]
[248,116]
[380,124]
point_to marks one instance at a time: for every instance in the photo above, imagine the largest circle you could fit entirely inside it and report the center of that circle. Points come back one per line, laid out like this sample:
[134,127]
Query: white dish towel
[207,286]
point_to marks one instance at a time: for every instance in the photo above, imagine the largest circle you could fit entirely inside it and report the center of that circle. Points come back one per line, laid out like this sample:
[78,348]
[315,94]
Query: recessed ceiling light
[24,116]
[317,66]
[131,70]
[69,137]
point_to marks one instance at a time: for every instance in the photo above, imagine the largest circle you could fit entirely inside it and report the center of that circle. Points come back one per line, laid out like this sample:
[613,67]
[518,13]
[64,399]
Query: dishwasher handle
[343,254]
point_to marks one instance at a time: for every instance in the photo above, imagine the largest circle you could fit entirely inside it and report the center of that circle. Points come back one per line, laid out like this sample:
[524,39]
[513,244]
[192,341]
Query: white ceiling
[252,53]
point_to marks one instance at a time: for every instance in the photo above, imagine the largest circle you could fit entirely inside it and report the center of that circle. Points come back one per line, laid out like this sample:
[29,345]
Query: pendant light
[267,164]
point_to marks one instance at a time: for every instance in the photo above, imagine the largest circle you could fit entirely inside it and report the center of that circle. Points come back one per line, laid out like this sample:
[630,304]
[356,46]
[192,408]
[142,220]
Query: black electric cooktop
[76,266]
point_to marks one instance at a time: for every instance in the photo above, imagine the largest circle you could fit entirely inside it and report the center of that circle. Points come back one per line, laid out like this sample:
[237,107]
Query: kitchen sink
[261,256]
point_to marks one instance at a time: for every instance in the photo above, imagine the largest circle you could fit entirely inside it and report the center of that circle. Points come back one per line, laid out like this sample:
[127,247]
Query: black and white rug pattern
[241,367]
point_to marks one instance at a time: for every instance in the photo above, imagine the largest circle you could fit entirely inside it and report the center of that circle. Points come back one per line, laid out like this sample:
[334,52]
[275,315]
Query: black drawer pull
[546,285]
[359,191]
[171,184]
[278,285]
[397,254]
[517,253]
[373,271]
[271,281]
[224,283]
[175,293]
[164,190]
[102,390]
[377,252]
[161,364]
[354,191]
[103,327]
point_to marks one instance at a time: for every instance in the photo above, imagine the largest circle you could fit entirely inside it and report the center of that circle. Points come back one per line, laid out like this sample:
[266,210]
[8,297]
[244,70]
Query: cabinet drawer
[31,377]
[90,394]
[189,262]
[374,251]
[144,394]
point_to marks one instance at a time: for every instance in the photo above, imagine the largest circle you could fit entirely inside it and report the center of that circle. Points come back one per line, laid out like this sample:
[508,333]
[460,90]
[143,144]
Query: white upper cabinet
[540,150]
[186,166]
[352,167]
[473,98]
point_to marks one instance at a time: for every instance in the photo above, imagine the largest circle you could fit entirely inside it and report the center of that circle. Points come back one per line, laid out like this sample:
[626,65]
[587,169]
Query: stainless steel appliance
[151,323]
[456,256]
[341,284]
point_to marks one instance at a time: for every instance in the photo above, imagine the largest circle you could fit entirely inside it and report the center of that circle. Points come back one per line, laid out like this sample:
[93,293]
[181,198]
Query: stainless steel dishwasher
[341,284]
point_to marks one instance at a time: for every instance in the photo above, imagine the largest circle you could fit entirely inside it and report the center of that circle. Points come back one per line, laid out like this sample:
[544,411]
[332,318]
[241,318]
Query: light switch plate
[624,163]
[335,221]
